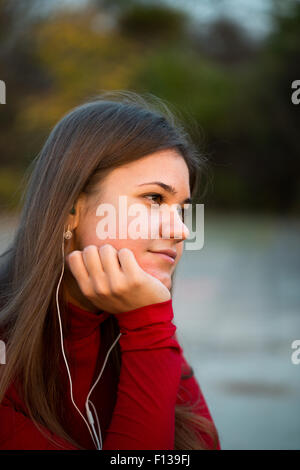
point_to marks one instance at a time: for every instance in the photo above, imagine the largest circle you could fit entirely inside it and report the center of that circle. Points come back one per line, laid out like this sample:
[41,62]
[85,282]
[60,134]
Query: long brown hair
[95,137]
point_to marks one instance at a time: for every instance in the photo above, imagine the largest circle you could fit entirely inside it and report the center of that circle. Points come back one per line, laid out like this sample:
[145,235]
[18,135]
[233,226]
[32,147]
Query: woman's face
[135,181]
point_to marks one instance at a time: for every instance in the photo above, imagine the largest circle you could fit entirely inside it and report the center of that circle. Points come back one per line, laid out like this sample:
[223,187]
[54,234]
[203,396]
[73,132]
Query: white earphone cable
[92,423]
[97,380]
[92,432]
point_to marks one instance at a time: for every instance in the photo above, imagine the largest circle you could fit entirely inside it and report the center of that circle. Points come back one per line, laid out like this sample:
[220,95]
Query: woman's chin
[164,277]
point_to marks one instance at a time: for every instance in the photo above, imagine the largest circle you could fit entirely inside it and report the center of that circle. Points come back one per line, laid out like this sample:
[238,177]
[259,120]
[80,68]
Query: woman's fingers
[110,260]
[79,271]
[113,280]
[106,264]
[129,264]
[92,261]
[102,264]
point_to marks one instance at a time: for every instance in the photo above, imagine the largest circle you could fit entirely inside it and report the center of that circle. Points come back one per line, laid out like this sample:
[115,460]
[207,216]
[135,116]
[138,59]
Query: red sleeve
[144,414]
[18,432]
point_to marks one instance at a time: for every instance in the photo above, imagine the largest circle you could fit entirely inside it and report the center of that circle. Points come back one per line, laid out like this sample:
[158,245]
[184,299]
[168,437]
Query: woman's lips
[164,256]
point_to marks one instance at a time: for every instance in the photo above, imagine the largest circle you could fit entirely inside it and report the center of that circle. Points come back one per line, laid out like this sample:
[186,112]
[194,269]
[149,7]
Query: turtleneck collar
[82,323]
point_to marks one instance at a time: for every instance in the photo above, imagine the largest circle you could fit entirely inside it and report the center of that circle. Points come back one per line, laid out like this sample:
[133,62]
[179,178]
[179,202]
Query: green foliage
[10,188]
[153,21]
[239,98]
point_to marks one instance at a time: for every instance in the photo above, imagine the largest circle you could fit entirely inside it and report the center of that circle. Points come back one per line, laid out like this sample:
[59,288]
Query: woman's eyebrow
[168,188]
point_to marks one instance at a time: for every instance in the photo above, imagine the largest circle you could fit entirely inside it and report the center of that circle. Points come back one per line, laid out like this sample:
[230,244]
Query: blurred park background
[227,68]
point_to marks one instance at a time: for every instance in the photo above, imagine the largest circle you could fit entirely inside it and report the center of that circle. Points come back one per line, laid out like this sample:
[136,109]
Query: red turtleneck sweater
[136,412]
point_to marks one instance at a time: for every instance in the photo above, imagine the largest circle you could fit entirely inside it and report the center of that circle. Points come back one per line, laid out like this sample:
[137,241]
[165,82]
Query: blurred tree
[224,41]
[237,92]
[269,124]
[153,22]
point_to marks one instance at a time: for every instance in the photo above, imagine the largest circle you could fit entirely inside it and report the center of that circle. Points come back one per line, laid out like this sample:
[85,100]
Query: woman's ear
[78,209]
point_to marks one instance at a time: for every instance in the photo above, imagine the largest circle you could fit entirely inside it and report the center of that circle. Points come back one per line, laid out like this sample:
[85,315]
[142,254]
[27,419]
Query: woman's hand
[113,280]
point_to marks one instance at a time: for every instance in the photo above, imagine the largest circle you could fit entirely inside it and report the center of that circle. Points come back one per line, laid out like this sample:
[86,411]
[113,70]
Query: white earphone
[97,438]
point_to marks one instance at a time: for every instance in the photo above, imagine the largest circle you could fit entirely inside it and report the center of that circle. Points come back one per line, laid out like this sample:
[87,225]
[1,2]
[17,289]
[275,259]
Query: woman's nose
[172,225]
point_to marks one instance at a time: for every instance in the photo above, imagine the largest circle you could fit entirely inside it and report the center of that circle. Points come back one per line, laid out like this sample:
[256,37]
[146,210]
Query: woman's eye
[155,196]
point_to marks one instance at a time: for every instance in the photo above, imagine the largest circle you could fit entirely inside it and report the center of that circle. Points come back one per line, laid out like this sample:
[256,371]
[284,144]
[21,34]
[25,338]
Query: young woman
[92,356]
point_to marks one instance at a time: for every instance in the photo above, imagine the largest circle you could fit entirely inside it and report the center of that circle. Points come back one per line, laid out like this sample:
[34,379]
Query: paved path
[237,310]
